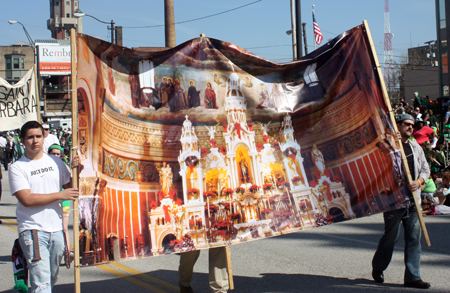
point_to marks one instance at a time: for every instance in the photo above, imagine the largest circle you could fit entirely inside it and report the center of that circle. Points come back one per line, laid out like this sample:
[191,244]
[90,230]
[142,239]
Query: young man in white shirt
[49,138]
[37,181]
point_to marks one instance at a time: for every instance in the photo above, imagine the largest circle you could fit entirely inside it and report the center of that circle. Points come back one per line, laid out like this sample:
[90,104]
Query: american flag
[317,33]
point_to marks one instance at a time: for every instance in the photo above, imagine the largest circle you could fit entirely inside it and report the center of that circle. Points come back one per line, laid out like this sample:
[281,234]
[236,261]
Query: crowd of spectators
[433,134]
[13,149]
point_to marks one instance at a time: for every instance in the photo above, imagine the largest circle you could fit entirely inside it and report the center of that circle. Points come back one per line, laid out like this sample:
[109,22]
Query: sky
[259,27]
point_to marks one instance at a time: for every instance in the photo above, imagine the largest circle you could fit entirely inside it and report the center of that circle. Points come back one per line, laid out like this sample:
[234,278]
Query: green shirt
[433,119]
[430,187]
[440,157]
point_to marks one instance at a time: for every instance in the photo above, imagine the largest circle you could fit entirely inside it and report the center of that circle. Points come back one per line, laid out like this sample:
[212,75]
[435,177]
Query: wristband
[419,182]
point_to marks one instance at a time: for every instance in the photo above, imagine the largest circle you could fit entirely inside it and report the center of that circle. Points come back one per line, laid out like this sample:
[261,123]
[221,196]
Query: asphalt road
[335,258]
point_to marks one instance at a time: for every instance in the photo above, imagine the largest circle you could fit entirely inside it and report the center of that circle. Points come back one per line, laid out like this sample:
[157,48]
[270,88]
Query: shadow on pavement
[11,218]
[267,283]
[6,258]
[8,204]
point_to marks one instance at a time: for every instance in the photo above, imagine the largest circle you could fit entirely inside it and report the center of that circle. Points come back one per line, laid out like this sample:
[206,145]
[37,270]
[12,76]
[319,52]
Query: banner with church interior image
[206,144]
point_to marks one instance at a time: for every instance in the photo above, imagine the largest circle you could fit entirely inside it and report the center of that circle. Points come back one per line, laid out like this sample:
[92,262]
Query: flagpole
[314,34]
[391,113]
[76,232]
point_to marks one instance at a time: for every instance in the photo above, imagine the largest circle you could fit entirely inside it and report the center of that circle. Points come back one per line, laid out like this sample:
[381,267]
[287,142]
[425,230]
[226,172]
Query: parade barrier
[207,145]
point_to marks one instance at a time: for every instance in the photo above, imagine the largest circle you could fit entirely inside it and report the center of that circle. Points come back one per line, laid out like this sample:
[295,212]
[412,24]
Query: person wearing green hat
[18,148]
[417,102]
[405,217]
[60,132]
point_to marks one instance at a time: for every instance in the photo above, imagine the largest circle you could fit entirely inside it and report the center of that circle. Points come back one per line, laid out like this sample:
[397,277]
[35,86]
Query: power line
[263,47]
[140,41]
[195,19]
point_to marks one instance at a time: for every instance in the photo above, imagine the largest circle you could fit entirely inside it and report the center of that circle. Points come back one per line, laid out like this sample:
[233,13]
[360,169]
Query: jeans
[383,255]
[44,272]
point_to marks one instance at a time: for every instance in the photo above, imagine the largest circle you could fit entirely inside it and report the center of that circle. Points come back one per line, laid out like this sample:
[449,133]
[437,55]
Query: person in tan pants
[218,273]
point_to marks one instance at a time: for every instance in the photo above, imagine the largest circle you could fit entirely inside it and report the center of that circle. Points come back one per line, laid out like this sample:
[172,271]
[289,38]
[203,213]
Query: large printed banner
[18,102]
[207,144]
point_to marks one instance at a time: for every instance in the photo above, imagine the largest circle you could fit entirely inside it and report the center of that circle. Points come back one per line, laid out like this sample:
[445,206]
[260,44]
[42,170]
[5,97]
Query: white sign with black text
[18,102]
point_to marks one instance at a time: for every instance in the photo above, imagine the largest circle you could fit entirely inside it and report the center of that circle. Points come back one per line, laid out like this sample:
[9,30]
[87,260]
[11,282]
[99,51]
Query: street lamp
[30,40]
[78,13]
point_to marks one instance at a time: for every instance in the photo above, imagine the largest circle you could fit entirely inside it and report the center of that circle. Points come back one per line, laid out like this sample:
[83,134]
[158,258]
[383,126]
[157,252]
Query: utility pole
[112,32]
[298,33]
[169,21]
[304,38]
[119,35]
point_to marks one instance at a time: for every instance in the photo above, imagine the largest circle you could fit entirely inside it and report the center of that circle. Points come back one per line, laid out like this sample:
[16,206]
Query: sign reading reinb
[54,60]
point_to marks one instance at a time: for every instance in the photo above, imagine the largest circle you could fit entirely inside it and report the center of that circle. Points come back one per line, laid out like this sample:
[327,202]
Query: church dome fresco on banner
[160,91]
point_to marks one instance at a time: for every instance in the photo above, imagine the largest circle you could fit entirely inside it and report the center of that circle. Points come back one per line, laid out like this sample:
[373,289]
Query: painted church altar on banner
[254,191]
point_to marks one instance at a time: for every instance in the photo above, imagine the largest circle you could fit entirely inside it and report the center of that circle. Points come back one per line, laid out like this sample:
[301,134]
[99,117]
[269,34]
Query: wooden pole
[76,232]
[229,269]
[391,113]
[36,92]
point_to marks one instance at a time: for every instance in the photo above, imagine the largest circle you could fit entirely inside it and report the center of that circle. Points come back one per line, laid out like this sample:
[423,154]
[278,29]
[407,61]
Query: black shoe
[378,275]
[418,284]
[184,289]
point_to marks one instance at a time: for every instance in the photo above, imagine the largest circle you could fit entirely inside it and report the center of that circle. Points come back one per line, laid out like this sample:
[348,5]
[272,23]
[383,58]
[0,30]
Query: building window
[68,15]
[15,66]
[57,3]
[67,2]
[16,63]
[442,13]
